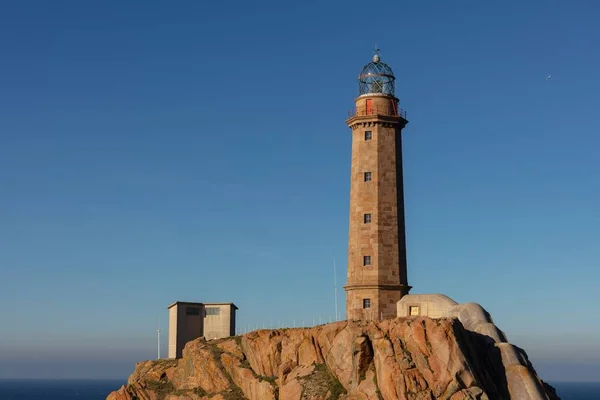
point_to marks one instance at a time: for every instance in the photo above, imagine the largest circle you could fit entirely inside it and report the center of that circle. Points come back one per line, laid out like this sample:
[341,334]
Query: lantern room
[376,78]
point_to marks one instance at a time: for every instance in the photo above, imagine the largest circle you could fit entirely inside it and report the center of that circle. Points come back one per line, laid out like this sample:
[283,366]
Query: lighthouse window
[368,135]
[367,218]
[368,176]
[366,260]
[366,303]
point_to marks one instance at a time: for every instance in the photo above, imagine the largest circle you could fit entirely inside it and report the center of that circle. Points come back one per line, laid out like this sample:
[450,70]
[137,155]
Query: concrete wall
[219,321]
[188,324]
[173,332]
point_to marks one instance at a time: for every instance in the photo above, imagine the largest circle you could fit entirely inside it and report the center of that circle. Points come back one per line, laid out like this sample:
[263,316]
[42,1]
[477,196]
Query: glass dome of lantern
[376,78]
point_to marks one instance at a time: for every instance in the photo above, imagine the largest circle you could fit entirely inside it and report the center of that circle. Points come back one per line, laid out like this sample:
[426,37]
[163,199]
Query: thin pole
[158,333]
[335,290]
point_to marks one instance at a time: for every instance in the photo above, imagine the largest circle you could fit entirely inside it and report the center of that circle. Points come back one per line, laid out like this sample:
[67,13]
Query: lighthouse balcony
[375,110]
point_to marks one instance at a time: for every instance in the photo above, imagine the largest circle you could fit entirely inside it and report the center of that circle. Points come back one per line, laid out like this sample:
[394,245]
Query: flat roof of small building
[202,304]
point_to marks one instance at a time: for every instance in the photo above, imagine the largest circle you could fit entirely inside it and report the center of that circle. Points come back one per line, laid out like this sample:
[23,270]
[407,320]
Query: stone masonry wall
[378,239]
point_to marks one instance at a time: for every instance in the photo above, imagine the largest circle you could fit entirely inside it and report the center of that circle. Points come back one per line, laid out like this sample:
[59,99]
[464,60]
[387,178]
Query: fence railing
[243,328]
[364,111]
[286,323]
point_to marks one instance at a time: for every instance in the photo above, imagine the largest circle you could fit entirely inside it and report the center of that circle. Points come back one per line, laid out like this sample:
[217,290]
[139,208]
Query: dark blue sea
[58,389]
[99,389]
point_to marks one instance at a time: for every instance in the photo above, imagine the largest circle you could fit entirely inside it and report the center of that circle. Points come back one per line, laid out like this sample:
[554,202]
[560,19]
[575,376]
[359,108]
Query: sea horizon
[100,388]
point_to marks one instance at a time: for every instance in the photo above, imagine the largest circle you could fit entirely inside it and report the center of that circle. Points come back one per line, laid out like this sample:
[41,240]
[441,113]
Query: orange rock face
[418,358]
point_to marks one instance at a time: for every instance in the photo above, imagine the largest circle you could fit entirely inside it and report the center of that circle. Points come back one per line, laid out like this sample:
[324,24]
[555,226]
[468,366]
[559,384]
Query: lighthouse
[377,271]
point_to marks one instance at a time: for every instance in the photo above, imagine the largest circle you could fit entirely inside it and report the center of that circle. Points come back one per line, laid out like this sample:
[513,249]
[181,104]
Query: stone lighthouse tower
[377,277]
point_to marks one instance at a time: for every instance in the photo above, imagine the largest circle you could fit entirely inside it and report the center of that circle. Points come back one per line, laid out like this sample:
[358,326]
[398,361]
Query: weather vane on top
[376,56]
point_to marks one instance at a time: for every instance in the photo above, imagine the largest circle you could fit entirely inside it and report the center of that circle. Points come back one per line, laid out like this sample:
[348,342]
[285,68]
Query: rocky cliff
[404,358]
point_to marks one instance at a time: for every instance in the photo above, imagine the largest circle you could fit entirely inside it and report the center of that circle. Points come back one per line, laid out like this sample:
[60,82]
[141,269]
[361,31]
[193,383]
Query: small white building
[425,305]
[189,321]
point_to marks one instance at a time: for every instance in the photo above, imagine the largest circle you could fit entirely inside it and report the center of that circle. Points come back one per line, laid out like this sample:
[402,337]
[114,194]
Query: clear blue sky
[160,151]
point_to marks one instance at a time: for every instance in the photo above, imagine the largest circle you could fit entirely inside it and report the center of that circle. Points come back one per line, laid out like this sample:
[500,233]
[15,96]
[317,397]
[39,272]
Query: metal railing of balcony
[376,111]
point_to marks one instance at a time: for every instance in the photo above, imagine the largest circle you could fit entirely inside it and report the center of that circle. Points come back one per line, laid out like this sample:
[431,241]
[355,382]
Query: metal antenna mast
[335,289]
